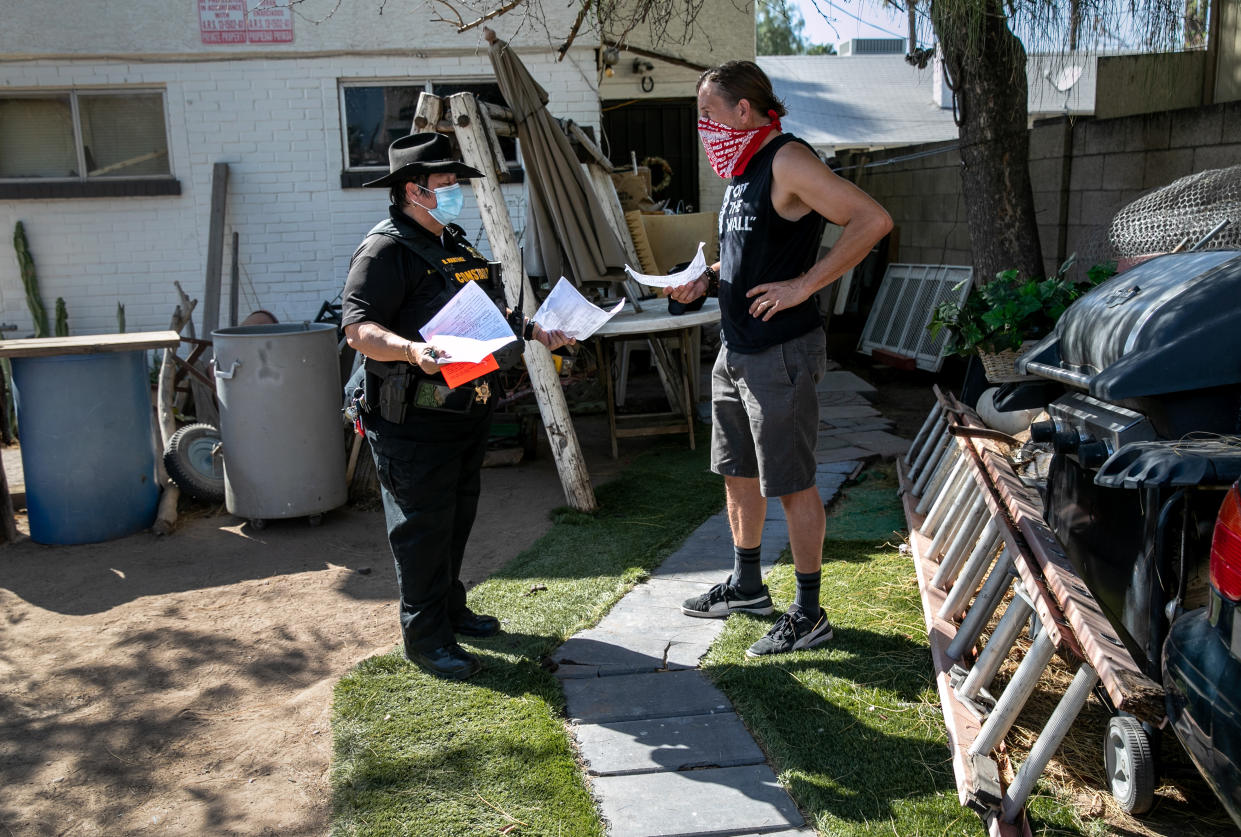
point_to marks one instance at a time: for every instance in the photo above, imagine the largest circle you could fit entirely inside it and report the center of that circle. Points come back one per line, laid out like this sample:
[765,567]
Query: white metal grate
[903,307]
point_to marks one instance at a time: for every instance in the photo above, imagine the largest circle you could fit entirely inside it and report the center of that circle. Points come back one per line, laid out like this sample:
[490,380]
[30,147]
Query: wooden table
[655,323]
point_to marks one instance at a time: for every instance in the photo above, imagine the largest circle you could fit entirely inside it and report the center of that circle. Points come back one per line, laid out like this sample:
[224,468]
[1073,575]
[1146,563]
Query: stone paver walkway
[665,751]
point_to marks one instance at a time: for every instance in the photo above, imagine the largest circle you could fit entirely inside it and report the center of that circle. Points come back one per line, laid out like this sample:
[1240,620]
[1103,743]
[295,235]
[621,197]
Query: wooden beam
[470,131]
[88,344]
[215,249]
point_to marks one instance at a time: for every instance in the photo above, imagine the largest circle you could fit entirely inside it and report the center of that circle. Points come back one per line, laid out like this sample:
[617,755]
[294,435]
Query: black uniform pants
[430,491]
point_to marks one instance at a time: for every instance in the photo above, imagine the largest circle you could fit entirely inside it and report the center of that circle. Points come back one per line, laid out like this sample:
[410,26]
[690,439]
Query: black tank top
[758,246]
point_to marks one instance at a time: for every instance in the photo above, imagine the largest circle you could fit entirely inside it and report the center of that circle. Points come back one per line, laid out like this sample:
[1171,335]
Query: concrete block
[723,800]
[1087,173]
[843,411]
[636,696]
[884,444]
[1162,167]
[842,381]
[839,467]
[1217,156]
[1123,171]
[829,485]
[1156,131]
[1195,127]
[608,657]
[828,398]
[1232,121]
[1101,205]
[662,744]
[665,593]
[850,453]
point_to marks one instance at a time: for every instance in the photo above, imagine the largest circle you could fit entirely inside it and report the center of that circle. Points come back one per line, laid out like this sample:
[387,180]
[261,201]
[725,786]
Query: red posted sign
[270,24]
[230,22]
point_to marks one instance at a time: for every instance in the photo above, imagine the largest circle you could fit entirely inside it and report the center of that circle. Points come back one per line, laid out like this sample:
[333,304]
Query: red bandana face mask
[730,149]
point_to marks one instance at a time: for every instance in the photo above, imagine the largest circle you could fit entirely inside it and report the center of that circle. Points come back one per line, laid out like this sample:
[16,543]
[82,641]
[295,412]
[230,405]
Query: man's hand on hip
[773,297]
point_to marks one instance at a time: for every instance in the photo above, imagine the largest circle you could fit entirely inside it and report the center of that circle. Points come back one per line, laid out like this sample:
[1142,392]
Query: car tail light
[1226,547]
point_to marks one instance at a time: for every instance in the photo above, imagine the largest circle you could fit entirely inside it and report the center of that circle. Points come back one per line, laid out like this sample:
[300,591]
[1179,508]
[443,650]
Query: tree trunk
[987,66]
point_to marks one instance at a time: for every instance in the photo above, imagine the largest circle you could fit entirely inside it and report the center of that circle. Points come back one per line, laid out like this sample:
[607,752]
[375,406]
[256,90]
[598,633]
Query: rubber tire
[189,462]
[1130,764]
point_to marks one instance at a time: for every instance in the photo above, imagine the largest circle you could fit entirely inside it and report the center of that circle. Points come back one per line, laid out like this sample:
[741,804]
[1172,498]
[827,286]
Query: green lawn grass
[416,755]
[854,729]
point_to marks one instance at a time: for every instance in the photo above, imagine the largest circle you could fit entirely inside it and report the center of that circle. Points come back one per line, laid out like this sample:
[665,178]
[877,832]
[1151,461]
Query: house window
[84,144]
[377,113]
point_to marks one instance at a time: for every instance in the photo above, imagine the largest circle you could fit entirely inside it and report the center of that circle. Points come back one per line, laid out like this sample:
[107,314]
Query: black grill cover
[1171,324]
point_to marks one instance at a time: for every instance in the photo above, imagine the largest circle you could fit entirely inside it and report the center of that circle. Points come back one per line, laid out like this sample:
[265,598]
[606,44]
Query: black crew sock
[747,572]
[807,599]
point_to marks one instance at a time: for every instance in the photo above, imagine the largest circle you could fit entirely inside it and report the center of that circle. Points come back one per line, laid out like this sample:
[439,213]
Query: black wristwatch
[713,281]
[528,332]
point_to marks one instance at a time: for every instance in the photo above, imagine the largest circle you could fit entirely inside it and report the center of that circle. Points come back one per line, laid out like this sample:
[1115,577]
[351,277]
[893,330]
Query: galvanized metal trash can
[280,421]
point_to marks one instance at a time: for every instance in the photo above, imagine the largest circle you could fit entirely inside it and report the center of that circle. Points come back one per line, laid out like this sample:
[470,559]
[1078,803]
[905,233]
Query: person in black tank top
[764,407]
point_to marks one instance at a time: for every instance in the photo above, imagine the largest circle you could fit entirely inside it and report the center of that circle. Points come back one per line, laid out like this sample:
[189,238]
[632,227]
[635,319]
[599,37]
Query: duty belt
[466,398]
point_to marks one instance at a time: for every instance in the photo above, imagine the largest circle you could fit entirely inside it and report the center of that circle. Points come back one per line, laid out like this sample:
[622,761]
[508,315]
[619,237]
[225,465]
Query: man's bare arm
[802,184]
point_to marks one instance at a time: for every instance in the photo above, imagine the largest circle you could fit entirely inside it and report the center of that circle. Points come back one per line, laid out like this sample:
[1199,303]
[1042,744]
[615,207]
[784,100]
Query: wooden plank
[85,344]
[570,463]
[605,190]
[215,249]
[234,283]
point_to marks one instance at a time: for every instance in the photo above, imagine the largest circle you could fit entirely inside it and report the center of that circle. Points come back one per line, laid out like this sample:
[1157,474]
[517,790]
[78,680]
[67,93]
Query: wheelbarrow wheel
[1130,764]
[193,464]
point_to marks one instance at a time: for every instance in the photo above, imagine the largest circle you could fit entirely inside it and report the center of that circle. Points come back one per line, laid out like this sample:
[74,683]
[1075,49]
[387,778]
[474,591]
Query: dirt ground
[182,685]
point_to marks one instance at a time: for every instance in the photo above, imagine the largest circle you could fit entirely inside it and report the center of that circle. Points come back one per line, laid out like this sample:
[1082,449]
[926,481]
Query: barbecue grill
[1151,360]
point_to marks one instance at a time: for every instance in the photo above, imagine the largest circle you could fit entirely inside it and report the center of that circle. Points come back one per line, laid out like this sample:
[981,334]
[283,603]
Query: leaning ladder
[976,533]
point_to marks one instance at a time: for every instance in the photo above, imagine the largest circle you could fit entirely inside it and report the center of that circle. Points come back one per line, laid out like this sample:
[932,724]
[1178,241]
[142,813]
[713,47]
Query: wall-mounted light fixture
[609,57]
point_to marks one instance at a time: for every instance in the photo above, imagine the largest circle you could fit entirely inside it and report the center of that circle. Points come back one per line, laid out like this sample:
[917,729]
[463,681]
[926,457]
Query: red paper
[456,374]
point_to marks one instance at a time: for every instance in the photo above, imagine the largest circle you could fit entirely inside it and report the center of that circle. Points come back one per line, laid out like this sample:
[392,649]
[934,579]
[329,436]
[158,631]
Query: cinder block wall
[276,122]
[1083,172]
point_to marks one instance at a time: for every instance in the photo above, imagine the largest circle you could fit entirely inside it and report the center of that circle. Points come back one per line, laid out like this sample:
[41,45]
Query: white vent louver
[907,297]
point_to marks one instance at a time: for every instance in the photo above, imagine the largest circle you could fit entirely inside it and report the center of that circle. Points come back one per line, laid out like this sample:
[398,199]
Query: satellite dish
[1066,78]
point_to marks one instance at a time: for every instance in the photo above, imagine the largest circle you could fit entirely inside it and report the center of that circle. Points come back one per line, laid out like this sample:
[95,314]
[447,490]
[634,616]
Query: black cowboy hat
[416,154]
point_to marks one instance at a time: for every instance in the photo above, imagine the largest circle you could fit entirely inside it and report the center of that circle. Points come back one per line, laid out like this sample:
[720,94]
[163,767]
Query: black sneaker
[723,599]
[792,632]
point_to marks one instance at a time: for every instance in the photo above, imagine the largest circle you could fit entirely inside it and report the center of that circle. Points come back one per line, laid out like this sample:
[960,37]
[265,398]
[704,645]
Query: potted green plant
[1004,317]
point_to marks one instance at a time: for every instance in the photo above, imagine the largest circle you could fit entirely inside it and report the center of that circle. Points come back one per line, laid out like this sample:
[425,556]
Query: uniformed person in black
[428,440]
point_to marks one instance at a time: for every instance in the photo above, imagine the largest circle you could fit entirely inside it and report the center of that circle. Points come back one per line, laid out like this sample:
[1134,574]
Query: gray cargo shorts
[765,413]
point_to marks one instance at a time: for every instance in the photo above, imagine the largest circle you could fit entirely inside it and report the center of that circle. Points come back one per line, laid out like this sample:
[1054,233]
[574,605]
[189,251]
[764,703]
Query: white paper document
[672,280]
[469,327]
[565,309]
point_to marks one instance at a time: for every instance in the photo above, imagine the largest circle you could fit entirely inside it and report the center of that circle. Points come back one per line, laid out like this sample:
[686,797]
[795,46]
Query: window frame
[352,177]
[84,185]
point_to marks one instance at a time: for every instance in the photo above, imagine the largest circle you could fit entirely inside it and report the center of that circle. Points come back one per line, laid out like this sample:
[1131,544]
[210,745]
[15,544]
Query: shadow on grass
[847,727]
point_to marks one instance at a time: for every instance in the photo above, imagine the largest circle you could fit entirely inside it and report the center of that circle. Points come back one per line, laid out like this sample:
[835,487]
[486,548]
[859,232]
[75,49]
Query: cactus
[30,280]
[62,318]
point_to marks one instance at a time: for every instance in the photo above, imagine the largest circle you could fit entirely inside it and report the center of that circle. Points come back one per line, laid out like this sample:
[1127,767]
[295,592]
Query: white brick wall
[277,124]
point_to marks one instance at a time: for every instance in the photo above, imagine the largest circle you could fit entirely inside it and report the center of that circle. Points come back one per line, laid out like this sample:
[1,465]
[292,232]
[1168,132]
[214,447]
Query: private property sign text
[230,22]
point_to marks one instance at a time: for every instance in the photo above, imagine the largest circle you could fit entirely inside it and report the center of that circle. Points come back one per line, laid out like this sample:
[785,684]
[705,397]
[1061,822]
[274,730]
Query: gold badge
[481,393]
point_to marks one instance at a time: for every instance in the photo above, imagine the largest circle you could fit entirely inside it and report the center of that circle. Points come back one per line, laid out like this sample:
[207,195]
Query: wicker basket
[1001,367]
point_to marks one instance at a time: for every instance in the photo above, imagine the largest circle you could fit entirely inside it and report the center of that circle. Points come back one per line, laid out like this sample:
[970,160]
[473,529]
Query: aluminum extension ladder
[976,531]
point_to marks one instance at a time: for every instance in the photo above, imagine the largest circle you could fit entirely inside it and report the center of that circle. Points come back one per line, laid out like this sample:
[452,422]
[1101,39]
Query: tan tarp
[567,230]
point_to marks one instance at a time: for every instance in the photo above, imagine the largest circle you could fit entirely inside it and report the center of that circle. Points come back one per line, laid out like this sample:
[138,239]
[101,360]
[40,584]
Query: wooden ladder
[977,532]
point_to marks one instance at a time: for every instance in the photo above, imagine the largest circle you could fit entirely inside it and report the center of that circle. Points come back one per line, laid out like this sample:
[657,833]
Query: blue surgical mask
[448,203]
